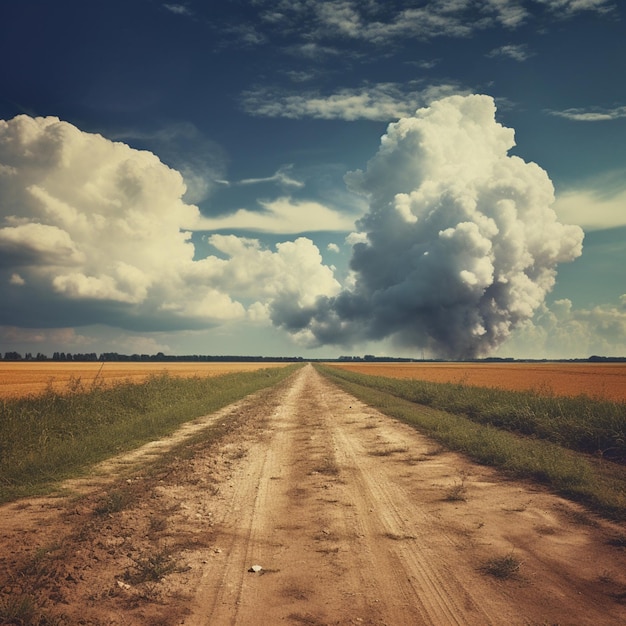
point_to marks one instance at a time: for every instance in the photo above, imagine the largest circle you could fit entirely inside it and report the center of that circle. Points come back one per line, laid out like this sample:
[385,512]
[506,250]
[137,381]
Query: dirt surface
[352,517]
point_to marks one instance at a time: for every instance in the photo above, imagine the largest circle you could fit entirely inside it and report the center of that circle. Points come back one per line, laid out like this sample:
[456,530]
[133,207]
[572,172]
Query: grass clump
[152,567]
[23,610]
[19,609]
[114,502]
[52,436]
[502,567]
[456,493]
[533,454]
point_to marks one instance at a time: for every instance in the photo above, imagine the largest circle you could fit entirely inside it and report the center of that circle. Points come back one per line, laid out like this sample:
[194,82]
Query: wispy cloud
[597,206]
[595,114]
[313,51]
[281,177]
[178,9]
[381,102]
[282,216]
[383,23]
[509,13]
[518,53]
[567,8]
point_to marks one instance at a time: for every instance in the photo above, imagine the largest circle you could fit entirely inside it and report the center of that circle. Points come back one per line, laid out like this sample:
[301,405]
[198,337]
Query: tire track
[244,527]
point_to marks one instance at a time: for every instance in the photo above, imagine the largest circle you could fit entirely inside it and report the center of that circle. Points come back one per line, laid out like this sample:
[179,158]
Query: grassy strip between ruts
[53,436]
[600,484]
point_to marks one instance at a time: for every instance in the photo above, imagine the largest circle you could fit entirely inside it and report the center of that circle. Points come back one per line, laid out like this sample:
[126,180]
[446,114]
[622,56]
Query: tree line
[206,358]
[159,357]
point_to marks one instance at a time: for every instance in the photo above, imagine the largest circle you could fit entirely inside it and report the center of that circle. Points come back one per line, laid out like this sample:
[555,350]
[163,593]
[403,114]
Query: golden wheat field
[23,378]
[597,380]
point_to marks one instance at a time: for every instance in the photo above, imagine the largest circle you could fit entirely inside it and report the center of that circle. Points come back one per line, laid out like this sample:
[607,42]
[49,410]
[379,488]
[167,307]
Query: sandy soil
[352,517]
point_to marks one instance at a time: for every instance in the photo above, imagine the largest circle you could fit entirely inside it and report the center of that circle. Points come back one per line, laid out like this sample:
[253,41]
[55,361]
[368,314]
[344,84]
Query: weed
[240,453]
[153,567]
[23,610]
[157,524]
[456,493]
[114,502]
[19,609]
[395,537]
[41,565]
[388,451]
[502,567]
[328,467]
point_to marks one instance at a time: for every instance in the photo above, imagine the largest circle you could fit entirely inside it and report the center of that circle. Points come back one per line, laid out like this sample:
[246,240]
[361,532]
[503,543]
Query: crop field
[605,381]
[18,379]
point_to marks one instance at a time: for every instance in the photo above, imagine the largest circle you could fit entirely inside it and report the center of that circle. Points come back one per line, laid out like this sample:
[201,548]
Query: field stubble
[605,381]
[18,379]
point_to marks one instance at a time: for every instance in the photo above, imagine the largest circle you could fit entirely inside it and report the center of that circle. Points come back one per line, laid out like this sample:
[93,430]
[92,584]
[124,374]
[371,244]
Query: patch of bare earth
[352,517]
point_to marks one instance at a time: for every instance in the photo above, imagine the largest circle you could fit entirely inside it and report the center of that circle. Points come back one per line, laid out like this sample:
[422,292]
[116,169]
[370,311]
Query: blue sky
[314,177]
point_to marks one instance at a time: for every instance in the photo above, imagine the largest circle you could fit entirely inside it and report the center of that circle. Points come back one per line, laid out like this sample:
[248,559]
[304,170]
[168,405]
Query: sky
[314,178]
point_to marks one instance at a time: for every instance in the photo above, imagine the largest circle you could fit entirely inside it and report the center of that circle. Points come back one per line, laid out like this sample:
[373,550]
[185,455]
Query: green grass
[580,423]
[52,436]
[470,420]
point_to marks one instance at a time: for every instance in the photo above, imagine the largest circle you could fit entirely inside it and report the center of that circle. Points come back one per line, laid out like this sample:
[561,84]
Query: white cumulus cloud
[93,231]
[562,331]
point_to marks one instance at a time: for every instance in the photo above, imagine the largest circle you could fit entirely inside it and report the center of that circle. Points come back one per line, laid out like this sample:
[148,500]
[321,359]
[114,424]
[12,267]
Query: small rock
[122,585]
[256,569]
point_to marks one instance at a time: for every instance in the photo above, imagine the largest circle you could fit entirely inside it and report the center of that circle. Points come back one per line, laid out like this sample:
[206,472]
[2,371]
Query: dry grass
[153,566]
[597,380]
[18,379]
[50,437]
[389,450]
[456,493]
[502,567]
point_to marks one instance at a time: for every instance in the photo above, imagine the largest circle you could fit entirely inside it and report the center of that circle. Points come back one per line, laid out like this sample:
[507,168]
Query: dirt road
[352,517]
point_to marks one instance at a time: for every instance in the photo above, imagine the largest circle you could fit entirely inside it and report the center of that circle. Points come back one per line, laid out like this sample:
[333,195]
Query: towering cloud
[461,241]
